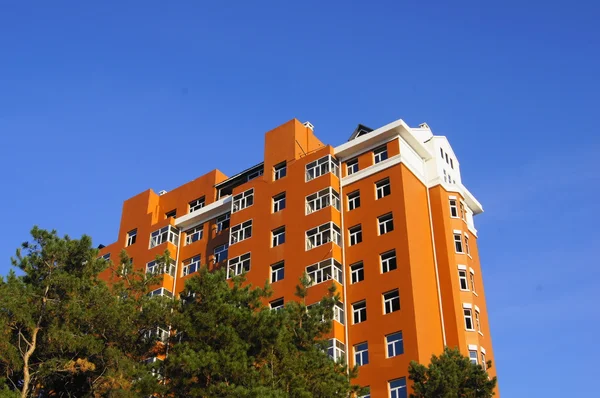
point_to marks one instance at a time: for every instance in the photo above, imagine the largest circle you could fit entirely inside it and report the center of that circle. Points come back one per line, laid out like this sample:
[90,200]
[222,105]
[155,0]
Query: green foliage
[63,330]
[231,344]
[451,375]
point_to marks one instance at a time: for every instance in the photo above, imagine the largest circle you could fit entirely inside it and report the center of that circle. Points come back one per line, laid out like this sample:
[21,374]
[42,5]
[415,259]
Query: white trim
[376,168]
[466,234]
[471,270]
[457,231]
[467,305]
[462,267]
[206,213]
[472,347]
[477,309]
[483,350]
[452,197]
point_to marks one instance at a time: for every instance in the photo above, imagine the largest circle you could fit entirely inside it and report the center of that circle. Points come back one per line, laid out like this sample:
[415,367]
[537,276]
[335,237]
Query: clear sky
[101,100]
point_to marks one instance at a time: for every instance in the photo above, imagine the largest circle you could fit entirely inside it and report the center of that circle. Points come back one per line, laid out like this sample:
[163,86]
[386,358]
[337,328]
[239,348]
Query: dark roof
[360,131]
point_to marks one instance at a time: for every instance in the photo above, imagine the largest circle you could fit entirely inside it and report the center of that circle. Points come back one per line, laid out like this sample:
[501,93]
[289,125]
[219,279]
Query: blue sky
[100,101]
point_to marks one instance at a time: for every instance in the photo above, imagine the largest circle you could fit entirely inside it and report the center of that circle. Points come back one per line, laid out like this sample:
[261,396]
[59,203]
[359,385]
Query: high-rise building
[384,216]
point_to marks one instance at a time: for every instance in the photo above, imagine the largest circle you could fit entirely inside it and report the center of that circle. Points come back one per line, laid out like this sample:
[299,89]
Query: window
[483,361]
[106,257]
[161,292]
[238,265]
[131,237]
[477,321]
[320,200]
[451,164]
[242,200]
[277,271]
[194,234]
[383,188]
[220,253]
[462,278]
[172,213]
[386,223]
[190,265]
[467,249]
[254,175]
[473,356]
[278,236]
[277,304]
[398,388]
[472,277]
[278,202]
[357,272]
[380,154]
[442,153]
[327,164]
[355,234]
[168,233]
[391,301]
[359,312]
[367,394]
[240,232]
[351,166]
[353,200]
[222,222]
[328,232]
[453,209]
[446,155]
[395,344]
[463,213]
[157,268]
[361,354]
[338,312]
[196,204]
[468,318]
[157,333]
[458,243]
[336,350]
[388,261]
[324,271]
[279,171]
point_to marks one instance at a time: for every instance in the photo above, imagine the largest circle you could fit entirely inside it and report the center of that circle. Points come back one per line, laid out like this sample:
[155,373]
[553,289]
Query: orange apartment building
[384,216]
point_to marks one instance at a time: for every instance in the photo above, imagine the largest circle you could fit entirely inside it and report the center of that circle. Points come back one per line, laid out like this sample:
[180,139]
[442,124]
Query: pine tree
[451,375]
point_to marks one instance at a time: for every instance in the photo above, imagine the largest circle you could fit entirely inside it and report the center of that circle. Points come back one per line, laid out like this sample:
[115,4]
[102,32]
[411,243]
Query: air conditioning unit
[309,125]
[162,192]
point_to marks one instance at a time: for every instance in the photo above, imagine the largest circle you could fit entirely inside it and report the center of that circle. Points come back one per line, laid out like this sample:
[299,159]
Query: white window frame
[359,312]
[354,235]
[161,292]
[242,200]
[255,174]
[395,347]
[321,166]
[279,202]
[397,391]
[388,260]
[156,268]
[474,357]
[165,234]
[275,271]
[389,299]
[158,332]
[468,315]
[278,236]
[105,257]
[458,243]
[222,222]
[453,207]
[279,171]
[322,199]
[194,234]
[196,204]
[361,353]
[380,188]
[131,237]
[338,312]
[356,270]
[190,265]
[462,278]
[323,234]
[238,265]
[353,199]
[472,280]
[218,252]
[385,223]
[351,166]
[467,248]
[477,320]
[240,232]
[336,350]
[483,360]
[324,271]
[380,154]
[277,304]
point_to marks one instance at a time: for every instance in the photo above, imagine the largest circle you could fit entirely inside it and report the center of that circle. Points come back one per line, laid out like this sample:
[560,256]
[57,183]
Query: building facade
[385,217]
